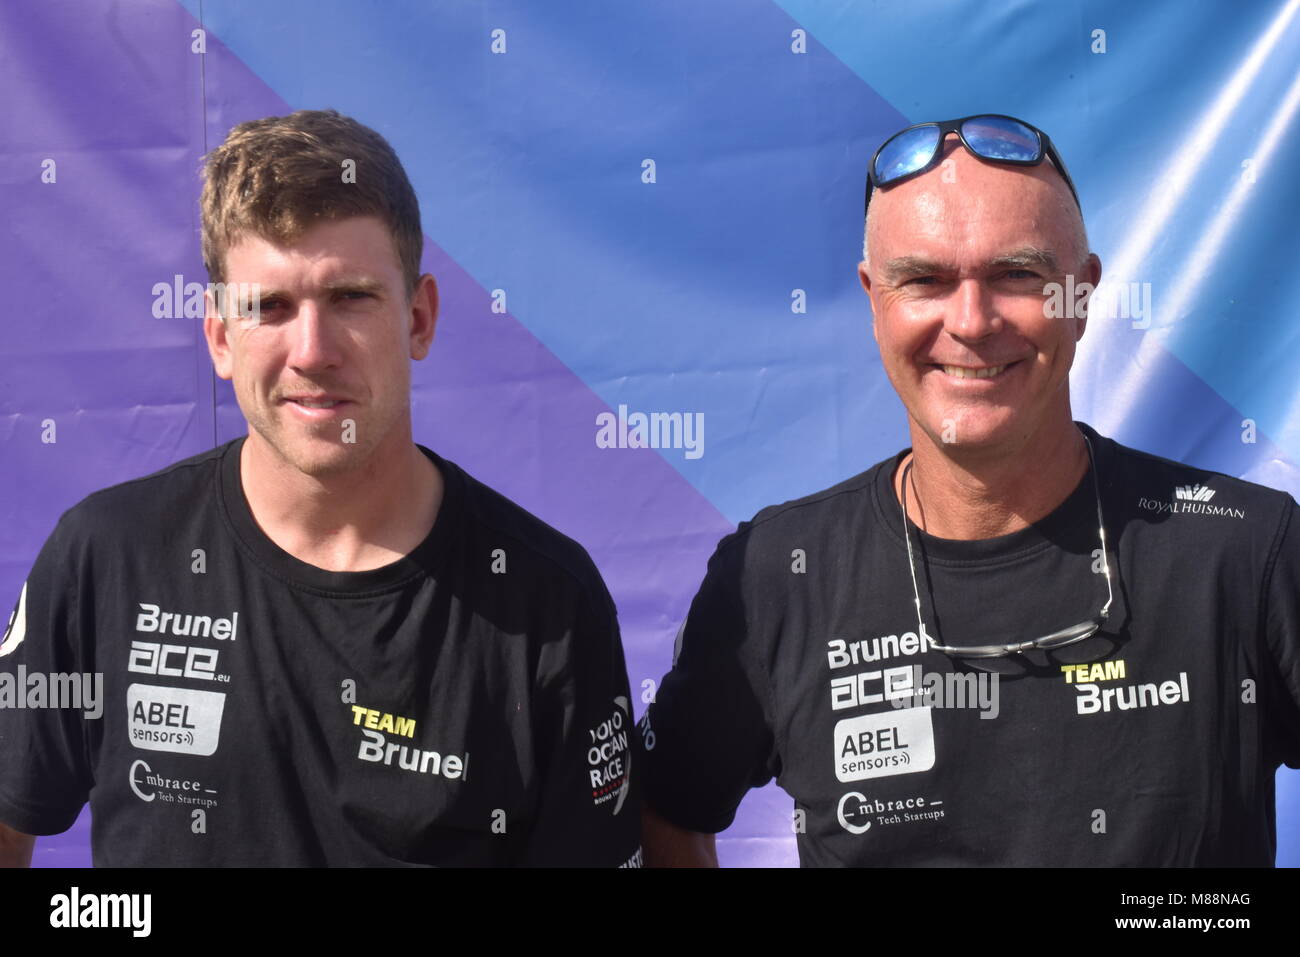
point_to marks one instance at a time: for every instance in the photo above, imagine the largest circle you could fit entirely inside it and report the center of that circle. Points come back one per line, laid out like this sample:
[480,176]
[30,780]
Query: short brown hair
[278,176]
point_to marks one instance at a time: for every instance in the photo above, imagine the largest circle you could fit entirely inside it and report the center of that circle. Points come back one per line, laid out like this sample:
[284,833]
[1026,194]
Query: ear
[864,277]
[423,315]
[1091,274]
[217,334]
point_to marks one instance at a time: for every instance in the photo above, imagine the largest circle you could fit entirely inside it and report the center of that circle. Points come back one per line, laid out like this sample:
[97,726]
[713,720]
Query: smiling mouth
[968,372]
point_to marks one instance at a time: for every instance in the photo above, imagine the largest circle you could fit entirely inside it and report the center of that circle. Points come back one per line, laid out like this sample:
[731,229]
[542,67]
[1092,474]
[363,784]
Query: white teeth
[961,372]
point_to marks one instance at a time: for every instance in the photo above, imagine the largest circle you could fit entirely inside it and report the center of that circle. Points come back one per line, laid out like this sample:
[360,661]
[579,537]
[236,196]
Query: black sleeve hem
[679,818]
[37,823]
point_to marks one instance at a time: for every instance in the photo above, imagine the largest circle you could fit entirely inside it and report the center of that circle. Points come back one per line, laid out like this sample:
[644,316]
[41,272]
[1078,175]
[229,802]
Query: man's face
[323,375]
[959,258]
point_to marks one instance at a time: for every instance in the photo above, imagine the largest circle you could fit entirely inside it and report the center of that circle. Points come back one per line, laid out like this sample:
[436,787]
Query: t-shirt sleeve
[588,814]
[707,737]
[44,771]
[1281,696]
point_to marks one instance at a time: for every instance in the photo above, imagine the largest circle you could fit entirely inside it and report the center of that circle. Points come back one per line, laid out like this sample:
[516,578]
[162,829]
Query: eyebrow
[1025,257]
[908,267]
[356,284]
[359,284]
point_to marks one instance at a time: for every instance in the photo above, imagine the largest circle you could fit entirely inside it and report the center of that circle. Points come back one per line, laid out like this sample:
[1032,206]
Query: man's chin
[324,467]
[322,460]
[972,430]
[317,457]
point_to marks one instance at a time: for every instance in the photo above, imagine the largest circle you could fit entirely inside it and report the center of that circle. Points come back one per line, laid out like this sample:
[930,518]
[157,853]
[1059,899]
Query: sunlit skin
[959,257]
[336,327]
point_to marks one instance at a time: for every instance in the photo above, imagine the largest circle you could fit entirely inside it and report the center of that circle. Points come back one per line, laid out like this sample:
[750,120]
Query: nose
[971,315]
[314,342]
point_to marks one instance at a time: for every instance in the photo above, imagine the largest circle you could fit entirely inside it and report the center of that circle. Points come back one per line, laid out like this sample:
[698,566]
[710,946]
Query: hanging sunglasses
[1057,639]
[990,136]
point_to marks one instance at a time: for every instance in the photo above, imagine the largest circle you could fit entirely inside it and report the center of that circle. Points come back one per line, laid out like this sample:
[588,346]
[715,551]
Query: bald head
[963,192]
[965,258]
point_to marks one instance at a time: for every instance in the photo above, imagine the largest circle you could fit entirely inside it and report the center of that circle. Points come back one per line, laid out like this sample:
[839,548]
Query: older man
[321,643]
[1016,642]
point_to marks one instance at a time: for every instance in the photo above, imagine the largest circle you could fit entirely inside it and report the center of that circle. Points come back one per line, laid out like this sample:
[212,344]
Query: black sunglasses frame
[1045,150]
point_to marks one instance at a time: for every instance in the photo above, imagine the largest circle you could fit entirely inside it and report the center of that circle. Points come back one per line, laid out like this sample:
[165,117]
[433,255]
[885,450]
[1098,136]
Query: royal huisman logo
[1191,499]
[1194,493]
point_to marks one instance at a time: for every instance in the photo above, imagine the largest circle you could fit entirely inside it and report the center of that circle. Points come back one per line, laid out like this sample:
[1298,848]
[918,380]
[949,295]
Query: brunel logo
[153,619]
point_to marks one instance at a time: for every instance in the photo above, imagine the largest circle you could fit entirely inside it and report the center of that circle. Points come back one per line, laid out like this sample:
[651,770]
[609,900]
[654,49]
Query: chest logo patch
[884,744]
[174,719]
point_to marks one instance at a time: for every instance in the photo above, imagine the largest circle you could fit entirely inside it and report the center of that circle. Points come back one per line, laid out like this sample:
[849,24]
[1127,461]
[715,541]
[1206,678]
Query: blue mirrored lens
[906,153]
[995,138]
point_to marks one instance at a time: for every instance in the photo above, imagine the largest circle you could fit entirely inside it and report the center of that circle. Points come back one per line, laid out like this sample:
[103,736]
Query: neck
[353,520]
[968,494]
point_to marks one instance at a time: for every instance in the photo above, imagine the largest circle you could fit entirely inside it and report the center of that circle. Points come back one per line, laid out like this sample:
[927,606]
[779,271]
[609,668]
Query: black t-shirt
[1154,742]
[465,705]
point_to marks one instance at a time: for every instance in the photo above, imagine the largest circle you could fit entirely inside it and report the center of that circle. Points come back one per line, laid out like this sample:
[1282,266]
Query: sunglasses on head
[990,136]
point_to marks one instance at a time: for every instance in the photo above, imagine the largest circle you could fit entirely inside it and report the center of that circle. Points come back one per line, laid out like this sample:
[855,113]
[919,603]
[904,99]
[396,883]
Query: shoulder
[1154,484]
[1184,510]
[547,556]
[825,523]
[130,507]
[820,508]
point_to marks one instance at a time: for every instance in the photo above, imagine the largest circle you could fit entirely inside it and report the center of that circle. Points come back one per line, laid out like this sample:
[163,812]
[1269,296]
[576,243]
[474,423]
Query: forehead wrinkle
[953,220]
[1020,257]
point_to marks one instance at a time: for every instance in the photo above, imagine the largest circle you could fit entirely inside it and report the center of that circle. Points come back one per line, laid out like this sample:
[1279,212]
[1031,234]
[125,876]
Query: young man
[321,644]
[1016,642]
